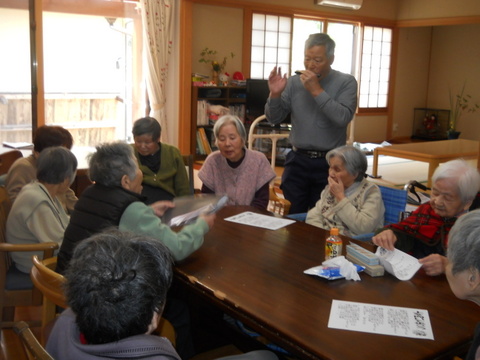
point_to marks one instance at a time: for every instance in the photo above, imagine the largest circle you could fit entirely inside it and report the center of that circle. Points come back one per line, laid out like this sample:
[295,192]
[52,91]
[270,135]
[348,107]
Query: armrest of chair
[47,248]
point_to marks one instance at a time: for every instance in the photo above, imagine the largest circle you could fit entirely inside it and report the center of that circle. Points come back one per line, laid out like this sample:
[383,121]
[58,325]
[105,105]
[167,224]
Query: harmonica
[299,72]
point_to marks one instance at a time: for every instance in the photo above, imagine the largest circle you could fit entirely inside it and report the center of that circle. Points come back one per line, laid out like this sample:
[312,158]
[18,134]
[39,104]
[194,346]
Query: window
[271,39]
[88,71]
[376,56]
[374,59]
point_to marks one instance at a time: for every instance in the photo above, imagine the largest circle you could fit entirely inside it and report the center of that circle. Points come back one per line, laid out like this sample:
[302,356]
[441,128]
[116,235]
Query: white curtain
[157,18]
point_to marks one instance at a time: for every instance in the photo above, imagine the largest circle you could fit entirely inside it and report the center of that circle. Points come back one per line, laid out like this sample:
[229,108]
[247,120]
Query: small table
[432,152]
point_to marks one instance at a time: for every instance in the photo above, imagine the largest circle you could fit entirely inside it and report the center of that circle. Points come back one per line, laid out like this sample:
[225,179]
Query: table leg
[432,165]
[375,165]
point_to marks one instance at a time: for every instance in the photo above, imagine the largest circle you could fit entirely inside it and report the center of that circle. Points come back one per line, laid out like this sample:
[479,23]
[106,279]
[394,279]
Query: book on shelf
[202,112]
[200,149]
[205,142]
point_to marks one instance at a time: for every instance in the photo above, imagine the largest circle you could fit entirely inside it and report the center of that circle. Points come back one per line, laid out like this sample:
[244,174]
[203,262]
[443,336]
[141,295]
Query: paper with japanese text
[379,319]
[263,221]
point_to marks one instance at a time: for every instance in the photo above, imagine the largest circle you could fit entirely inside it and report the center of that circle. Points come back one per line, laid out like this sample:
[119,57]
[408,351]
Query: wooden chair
[277,204]
[16,288]
[32,347]
[51,284]
[7,159]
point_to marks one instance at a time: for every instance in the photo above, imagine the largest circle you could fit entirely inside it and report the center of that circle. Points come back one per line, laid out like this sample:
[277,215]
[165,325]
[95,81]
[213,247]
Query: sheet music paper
[258,220]
[379,319]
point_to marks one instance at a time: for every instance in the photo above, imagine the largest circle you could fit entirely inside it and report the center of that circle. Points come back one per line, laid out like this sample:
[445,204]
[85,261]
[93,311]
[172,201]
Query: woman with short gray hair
[349,202]
[37,215]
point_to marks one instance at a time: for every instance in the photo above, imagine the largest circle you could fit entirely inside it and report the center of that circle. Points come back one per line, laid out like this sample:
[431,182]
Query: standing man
[322,102]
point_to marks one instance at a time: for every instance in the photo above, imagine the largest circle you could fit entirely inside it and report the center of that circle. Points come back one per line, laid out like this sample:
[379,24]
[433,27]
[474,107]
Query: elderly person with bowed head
[114,200]
[463,266]
[164,174]
[349,201]
[24,170]
[424,234]
[116,289]
[242,174]
[37,215]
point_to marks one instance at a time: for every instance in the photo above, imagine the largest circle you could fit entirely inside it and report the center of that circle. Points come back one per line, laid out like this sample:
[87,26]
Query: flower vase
[452,134]
[215,77]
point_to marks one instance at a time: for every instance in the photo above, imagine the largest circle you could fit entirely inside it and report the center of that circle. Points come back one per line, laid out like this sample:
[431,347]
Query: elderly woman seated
[463,267]
[164,174]
[37,215]
[349,202]
[242,174]
[424,234]
[24,170]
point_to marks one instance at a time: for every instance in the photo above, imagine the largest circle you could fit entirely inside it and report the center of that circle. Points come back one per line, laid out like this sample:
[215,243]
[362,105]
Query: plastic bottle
[333,244]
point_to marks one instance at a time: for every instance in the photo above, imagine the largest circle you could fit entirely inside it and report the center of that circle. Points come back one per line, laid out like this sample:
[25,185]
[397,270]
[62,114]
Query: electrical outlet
[395,127]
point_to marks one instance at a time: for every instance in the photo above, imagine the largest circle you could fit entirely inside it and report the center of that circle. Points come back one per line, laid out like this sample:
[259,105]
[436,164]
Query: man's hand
[434,264]
[209,219]
[385,239]
[160,207]
[311,82]
[277,82]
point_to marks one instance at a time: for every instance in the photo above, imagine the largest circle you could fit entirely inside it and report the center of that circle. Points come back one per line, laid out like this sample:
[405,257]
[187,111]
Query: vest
[100,207]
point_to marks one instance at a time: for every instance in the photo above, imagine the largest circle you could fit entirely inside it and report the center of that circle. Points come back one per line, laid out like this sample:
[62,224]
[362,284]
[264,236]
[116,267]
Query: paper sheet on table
[399,264]
[380,319]
[258,220]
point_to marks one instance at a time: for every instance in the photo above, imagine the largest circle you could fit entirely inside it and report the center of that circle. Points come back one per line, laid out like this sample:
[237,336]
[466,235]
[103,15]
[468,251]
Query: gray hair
[230,119]
[111,162]
[467,177]
[55,164]
[321,39]
[464,243]
[354,159]
[147,126]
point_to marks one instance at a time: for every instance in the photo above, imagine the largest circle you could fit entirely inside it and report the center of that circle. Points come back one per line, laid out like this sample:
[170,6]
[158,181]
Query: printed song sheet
[379,319]
[263,221]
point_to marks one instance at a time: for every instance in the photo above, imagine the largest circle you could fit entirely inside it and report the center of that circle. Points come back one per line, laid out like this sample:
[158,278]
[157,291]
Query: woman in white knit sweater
[349,202]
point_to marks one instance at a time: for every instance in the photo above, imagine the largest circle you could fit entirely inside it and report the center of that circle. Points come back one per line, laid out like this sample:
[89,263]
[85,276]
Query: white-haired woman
[242,174]
[424,234]
[349,202]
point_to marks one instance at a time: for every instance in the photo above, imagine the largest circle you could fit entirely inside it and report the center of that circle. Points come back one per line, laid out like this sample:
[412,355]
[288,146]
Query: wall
[428,9]
[455,61]
[411,81]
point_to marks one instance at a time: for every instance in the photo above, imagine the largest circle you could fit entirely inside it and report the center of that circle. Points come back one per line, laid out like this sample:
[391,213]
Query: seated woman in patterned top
[349,202]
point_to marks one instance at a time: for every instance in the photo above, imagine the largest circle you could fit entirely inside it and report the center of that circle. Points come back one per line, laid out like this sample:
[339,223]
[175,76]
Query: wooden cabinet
[232,97]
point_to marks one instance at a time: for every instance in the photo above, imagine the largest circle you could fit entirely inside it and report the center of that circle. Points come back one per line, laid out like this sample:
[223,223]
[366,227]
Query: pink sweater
[241,183]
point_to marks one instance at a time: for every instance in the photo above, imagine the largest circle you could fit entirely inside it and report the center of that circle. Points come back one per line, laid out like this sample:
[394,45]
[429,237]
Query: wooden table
[432,152]
[256,275]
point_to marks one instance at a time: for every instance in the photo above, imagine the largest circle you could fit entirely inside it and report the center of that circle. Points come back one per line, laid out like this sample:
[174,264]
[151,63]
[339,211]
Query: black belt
[312,154]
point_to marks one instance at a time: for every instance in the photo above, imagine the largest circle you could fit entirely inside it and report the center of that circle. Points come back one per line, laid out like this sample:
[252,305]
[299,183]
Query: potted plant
[458,104]
[208,56]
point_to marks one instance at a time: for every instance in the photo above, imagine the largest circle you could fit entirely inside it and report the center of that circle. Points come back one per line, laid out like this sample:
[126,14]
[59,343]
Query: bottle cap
[334,231]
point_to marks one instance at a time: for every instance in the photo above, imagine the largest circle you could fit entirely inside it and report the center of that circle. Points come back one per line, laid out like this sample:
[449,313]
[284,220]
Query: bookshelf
[232,97]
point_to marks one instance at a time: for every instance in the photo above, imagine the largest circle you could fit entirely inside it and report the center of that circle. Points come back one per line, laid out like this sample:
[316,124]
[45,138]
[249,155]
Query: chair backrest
[7,159]
[33,349]
[277,204]
[188,161]
[395,201]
